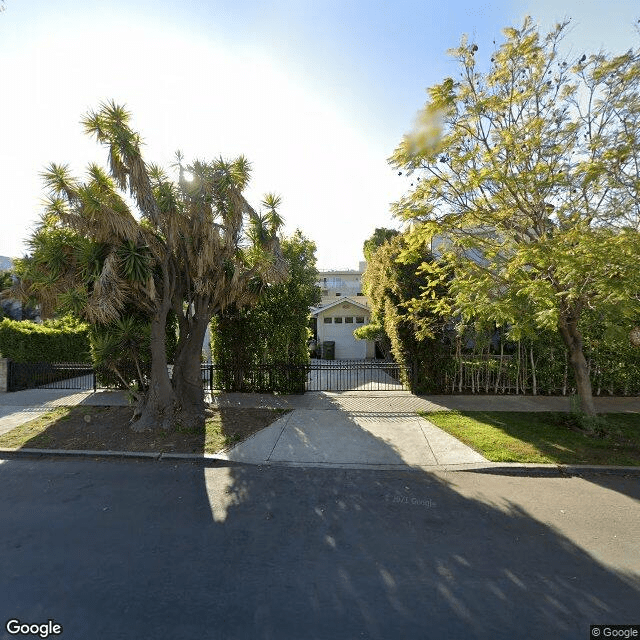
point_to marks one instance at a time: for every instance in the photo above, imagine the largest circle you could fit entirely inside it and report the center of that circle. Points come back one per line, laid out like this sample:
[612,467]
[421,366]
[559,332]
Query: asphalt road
[114,549]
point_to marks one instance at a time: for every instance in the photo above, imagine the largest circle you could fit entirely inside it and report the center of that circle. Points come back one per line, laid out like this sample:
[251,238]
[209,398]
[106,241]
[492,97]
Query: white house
[336,323]
[343,309]
[336,284]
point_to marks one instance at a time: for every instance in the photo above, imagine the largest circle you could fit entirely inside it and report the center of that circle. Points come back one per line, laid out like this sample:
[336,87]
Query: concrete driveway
[337,429]
[337,438]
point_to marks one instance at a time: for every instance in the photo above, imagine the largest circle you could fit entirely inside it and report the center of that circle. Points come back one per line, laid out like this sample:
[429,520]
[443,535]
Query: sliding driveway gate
[318,375]
[356,375]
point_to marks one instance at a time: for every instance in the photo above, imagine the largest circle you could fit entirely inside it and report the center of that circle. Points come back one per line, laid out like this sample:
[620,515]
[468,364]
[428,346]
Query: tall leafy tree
[532,191]
[276,329]
[409,309]
[377,239]
[182,245]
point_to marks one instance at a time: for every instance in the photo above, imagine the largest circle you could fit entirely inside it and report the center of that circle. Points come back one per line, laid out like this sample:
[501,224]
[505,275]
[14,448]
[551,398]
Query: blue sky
[316,94]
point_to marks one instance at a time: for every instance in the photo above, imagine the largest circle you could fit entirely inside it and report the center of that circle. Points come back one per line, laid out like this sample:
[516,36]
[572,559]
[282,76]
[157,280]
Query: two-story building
[343,308]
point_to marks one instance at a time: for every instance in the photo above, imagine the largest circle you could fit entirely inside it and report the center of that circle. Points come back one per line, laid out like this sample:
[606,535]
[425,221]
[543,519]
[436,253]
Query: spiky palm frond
[109,117]
[105,349]
[134,261]
[105,215]
[56,209]
[258,231]
[271,201]
[131,335]
[274,220]
[240,171]
[168,199]
[73,301]
[111,127]
[53,250]
[57,178]
[157,174]
[100,179]
[89,256]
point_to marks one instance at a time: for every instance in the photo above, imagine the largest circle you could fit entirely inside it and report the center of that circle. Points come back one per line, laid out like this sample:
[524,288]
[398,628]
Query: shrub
[62,340]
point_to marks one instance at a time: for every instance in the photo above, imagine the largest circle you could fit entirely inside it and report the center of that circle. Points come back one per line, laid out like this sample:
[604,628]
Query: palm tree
[183,247]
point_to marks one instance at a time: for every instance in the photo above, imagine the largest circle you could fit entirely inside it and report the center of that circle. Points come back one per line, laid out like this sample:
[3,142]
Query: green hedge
[257,353]
[62,340]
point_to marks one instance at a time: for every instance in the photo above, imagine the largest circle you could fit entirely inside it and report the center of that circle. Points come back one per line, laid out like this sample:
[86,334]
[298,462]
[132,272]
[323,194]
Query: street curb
[92,453]
[497,468]
[533,469]
[88,453]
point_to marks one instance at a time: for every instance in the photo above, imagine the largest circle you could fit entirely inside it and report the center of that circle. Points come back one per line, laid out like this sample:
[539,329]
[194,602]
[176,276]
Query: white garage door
[347,347]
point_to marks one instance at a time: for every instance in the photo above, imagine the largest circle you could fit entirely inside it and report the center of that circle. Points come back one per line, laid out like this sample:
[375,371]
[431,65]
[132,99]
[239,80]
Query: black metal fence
[64,375]
[256,378]
[50,375]
[317,375]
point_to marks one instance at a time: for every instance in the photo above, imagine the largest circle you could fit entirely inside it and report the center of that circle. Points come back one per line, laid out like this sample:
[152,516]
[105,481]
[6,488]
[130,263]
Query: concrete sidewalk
[380,429]
[343,429]
[404,403]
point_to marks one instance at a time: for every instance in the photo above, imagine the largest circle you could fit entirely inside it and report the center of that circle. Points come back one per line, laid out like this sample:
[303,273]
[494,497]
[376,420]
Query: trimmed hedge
[56,341]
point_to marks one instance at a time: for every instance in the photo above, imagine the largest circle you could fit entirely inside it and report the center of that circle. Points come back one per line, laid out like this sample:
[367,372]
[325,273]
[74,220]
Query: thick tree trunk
[157,407]
[568,327]
[187,376]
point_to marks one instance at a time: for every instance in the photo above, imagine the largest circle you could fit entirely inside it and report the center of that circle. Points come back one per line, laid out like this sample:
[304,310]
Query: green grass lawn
[546,437]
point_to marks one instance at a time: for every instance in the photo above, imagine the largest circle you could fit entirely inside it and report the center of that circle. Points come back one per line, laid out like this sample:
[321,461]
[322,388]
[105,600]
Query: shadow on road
[179,550]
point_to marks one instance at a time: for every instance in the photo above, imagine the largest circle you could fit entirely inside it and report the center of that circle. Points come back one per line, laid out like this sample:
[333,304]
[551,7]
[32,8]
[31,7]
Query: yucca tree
[219,263]
[91,256]
[181,247]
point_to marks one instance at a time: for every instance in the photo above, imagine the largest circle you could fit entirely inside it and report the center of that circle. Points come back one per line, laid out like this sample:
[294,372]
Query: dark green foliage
[63,340]
[412,333]
[121,350]
[377,239]
[275,332]
[6,280]
[540,364]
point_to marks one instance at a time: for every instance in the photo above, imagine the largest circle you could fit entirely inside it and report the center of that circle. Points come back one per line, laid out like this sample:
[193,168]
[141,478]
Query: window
[348,320]
[338,294]
[337,320]
[359,319]
[360,293]
[327,320]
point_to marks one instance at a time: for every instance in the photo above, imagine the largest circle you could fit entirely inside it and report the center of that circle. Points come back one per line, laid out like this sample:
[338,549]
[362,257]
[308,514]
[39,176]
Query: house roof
[352,272]
[317,310]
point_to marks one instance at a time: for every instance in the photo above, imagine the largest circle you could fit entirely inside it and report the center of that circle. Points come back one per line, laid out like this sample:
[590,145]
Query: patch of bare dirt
[109,429]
